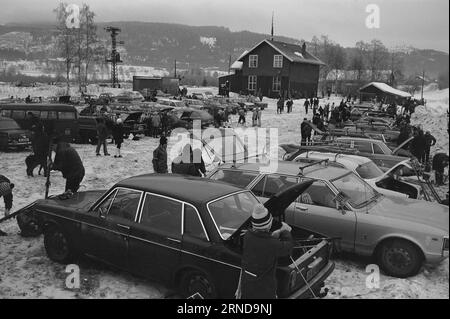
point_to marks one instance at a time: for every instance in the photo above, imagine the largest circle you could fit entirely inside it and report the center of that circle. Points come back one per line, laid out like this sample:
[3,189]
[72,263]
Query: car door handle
[302,208]
[174,240]
[124,226]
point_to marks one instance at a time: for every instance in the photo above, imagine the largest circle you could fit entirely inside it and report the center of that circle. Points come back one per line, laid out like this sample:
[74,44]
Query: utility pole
[115,56]
[175,72]
[423,82]
[229,64]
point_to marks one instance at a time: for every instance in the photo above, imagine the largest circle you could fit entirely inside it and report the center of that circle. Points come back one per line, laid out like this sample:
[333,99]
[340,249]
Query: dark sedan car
[12,136]
[152,226]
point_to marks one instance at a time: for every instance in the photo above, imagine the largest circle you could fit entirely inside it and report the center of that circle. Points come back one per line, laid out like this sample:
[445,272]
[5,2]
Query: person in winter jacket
[261,251]
[440,162]
[306,105]
[418,146]
[430,141]
[305,129]
[69,163]
[160,157]
[184,164]
[102,134]
[6,188]
[118,136]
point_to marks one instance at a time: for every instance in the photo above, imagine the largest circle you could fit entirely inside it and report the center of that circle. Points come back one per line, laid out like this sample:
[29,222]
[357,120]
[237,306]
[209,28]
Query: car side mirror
[340,207]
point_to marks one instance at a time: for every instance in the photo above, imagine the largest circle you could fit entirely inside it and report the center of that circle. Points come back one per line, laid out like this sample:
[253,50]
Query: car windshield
[8,125]
[231,212]
[358,191]
[369,170]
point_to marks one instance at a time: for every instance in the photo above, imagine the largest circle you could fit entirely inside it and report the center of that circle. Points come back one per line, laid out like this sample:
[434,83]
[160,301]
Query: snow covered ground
[26,272]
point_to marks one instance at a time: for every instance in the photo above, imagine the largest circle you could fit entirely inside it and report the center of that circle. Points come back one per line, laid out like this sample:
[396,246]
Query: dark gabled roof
[193,190]
[292,52]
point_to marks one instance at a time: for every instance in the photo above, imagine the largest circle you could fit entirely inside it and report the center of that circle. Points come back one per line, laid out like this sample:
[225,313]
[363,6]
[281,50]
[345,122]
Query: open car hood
[277,204]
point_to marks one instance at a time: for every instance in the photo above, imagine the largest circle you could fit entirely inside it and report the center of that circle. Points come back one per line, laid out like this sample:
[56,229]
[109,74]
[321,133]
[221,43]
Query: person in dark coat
[6,188]
[405,133]
[69,163]
[102,135]
[440,162]
[241,113]
[184,163]
[200,169]
[261,250]
[418,145]
[118,136]
[430,141]
[305,131]
[160,157]
[306,105]
[41,151]
[289,104]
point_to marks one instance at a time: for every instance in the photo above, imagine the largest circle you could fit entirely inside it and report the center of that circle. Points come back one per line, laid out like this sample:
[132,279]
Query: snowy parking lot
[26,272]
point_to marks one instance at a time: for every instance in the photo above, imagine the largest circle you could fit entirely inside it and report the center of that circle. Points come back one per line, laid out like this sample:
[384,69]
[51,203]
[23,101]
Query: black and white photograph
[233,150]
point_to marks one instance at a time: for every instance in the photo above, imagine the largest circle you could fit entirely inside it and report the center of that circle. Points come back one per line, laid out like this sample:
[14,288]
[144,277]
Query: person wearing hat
[261,251]
[160,157]
[118,136]
[6,188]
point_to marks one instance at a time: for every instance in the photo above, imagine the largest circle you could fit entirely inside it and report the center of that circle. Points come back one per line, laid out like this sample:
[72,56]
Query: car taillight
[292,280]
[445,245]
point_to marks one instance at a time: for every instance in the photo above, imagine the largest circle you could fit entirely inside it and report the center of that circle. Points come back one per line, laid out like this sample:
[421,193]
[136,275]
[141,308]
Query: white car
[388,183]
[228,147]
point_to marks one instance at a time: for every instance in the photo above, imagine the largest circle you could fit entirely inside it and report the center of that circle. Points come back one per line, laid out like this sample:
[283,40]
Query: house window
[252,82]
[276,84]
[278,61]
[253,61]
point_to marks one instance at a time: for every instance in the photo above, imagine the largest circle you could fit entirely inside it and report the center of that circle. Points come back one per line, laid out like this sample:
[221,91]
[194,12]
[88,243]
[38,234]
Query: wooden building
[274,68]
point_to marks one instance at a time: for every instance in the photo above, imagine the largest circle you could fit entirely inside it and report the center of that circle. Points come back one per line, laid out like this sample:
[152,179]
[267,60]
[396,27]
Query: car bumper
[316,284]
[18,144]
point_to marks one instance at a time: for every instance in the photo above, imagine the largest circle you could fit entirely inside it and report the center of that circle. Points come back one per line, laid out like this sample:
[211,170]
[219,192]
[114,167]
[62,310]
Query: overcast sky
[420,23]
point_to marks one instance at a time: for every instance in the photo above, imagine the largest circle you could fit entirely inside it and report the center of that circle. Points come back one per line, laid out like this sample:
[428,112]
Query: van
[58,119]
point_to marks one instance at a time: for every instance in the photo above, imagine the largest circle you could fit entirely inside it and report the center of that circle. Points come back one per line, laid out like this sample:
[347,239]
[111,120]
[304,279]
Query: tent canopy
[383,88]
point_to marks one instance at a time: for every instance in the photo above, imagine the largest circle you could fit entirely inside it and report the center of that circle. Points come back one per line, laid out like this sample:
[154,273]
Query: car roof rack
[313,164]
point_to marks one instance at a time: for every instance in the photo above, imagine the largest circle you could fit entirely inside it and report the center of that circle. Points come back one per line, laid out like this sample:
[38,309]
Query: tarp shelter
[382,92]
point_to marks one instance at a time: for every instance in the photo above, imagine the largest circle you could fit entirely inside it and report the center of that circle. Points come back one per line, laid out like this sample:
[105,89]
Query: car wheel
[197,282]
[399,258]
[57,245]
[28,224]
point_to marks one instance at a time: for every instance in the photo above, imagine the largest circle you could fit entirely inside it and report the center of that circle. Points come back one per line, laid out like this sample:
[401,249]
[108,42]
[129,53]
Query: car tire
[399,258]
[197,282]
[57,245]
[28,224]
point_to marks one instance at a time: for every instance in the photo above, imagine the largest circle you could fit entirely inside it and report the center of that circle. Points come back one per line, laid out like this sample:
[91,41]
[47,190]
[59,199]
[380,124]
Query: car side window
[377,149]
[364,147]
[192,224]
[162,214]
[125,204]
[318,194]
[273,184]
[104,206]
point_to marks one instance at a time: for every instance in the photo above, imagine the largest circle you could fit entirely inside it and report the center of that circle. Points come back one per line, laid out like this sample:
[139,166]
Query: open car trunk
[301,274]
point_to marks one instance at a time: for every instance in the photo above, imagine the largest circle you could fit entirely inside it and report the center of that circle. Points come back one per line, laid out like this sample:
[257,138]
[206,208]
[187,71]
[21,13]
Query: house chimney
[304,48]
